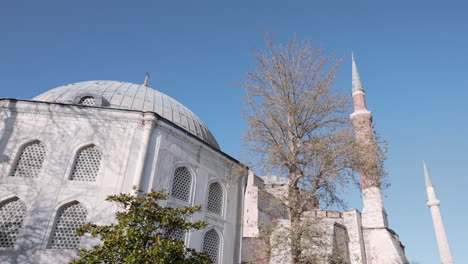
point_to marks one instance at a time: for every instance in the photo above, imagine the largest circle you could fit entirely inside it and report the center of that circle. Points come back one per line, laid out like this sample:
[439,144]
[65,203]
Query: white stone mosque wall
[57,191]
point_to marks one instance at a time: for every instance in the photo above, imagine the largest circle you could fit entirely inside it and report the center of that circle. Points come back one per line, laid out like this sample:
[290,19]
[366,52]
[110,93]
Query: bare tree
[299,128]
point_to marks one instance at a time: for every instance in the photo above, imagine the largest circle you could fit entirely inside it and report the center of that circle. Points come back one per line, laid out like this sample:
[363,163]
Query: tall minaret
[381,245]
[433,203]
[374,215]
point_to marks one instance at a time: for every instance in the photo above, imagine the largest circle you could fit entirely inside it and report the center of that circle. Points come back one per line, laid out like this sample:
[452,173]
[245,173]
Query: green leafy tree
[144,232]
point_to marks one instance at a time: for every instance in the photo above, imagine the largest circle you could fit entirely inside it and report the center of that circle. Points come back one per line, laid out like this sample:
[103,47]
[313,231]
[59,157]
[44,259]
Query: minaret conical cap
[357,85]
[427,178]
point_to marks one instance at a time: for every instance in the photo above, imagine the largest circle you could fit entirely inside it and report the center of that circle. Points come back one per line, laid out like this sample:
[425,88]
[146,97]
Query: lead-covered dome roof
[124,95]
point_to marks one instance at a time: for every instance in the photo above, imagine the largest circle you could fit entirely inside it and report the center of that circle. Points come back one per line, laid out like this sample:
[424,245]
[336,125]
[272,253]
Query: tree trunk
[295,214]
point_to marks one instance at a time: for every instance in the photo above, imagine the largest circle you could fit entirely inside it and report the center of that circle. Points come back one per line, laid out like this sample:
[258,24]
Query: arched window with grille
[12,212]
[69,218]
[177,234]
[211,243]
[181,184]
[29,162]
[87,163]
[215,198]
[88,101]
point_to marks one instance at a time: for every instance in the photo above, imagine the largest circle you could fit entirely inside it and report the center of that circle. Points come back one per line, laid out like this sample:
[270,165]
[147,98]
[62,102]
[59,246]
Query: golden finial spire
[146,79]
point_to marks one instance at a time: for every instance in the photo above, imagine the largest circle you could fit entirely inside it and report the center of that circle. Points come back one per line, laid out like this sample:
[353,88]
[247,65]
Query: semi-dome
[124,95]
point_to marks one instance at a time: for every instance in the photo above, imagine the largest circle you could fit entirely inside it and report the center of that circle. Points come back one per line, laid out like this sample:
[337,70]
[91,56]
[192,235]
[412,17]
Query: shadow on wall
[41,194]
[29,246]
[8,120]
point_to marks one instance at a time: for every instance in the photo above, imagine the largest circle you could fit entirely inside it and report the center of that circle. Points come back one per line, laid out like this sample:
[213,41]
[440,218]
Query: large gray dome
[126,95]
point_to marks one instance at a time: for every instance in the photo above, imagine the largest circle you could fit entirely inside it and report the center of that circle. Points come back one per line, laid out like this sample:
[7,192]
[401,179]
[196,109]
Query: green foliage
[142,233]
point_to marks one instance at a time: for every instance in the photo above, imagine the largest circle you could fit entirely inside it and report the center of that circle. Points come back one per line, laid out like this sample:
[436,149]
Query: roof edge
[159,117]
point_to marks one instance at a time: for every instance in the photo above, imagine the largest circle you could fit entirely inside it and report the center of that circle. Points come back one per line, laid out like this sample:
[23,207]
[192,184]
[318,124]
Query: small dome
[124,95]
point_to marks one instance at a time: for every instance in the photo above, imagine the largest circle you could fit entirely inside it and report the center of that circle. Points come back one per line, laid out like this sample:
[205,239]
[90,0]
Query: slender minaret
[374,215]
[433,203]
[381,246]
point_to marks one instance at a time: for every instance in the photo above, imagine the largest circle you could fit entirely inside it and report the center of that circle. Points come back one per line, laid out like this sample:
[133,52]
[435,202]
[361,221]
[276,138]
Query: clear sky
[412,57]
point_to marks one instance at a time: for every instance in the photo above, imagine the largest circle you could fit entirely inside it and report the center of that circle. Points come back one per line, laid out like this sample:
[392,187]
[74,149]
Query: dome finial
[146,79]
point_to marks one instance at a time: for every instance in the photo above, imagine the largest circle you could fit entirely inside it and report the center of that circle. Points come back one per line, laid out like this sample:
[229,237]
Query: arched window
[29,162]
[12,213]
[88,101]
[69,218]
[211,245]
[177,234]
[215,198]
[87,163]
[181,184]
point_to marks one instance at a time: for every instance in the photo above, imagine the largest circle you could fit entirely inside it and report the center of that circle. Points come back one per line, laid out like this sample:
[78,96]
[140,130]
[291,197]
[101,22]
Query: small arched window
[215,198]
[12,213]
[211,245]
[29,162]
[177,234]
[88,101]
[87,163]
[181,184]
[69,218]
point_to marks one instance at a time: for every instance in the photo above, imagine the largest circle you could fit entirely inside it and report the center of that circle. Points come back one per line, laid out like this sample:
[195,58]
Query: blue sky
[412,56]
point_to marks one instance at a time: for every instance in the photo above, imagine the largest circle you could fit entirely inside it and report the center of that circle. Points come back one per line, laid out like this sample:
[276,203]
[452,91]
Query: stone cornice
[360,112]
[356,92]
[433,203]
[31,110]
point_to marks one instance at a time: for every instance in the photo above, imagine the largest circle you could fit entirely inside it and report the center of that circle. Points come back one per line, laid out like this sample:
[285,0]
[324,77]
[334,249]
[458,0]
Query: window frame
[98,99]
[19,236]
[51,227]
[223,202]
[192,186]
[19,152]
[223,195]
[84,98]
[76,152]
[219,232]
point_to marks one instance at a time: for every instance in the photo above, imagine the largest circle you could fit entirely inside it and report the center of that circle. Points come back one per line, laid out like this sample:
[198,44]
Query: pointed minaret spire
[357,84]
[146,79]
[433,203]
[359,95]
[427,178]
